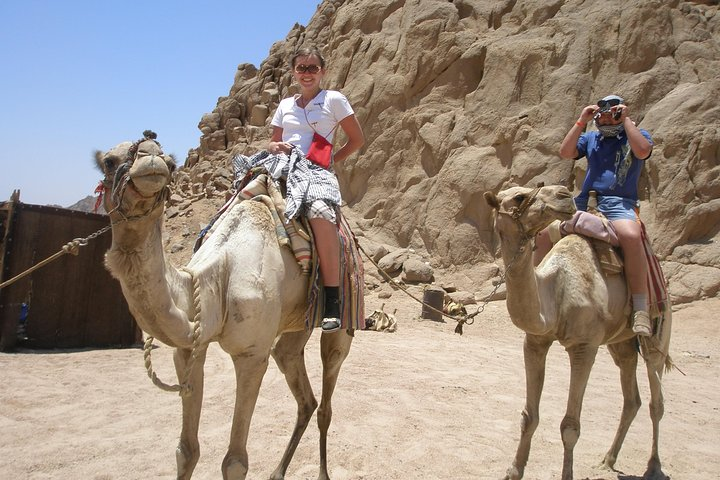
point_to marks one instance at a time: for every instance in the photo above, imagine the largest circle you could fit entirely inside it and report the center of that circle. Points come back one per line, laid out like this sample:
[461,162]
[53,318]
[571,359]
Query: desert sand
[420,403]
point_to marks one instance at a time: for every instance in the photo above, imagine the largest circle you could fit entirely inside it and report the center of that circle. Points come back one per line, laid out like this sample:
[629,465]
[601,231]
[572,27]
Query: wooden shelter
[71,302]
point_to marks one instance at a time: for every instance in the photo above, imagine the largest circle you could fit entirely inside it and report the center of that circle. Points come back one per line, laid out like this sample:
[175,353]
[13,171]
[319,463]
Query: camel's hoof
[654,471]
[513,474]
[655,475]
[608,463]
[278,474]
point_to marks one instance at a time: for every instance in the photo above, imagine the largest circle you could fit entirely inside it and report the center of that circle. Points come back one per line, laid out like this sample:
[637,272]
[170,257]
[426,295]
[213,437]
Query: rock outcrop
[460,97]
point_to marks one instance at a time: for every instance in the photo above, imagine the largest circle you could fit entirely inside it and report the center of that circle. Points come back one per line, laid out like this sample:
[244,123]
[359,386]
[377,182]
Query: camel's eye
[519,198]
[109,164]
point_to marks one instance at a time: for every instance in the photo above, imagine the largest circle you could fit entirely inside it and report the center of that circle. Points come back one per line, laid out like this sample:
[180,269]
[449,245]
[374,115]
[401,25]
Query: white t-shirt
[324,112]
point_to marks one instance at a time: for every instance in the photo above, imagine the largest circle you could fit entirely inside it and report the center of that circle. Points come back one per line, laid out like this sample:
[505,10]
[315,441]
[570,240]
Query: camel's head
[530,210]
[136,176]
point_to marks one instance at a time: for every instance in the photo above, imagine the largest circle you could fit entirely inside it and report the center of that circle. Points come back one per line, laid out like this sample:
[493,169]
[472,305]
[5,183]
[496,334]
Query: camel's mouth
[564,212]
[147,186]
[562,205]
[149,174]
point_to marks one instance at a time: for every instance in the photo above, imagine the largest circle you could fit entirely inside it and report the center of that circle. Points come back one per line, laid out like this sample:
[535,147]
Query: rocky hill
[87,204]
[460,97]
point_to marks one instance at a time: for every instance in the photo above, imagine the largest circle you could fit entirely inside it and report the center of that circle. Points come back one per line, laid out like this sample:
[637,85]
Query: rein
[464,320]
[74,245]
[516,212]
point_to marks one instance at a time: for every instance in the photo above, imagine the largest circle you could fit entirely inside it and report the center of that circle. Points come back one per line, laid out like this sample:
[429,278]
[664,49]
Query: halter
[122,178]
[516,212]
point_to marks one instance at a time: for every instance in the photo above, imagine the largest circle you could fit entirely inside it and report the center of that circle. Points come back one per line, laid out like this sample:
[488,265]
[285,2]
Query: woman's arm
[356,138]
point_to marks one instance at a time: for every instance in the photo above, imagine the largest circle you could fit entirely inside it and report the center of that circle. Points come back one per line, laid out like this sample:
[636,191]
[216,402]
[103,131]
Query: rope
[465,319]
[74,246]
[70,247]
[183,387]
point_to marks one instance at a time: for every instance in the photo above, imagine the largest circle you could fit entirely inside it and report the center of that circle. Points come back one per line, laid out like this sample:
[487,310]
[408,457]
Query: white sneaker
[641,323]
[330,324]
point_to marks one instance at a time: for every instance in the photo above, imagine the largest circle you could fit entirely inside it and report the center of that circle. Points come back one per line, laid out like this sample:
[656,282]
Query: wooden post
[434,297]
[8,313]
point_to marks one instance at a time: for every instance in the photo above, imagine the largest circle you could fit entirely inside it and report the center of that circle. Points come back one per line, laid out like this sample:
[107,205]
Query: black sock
[332,303]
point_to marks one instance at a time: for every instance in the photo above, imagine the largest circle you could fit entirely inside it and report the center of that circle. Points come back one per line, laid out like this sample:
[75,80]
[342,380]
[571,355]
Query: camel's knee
[657,409]
[334,358]
[306,410]
[234,468]
[569,431]
[529,422]
[632,404]
[324,417]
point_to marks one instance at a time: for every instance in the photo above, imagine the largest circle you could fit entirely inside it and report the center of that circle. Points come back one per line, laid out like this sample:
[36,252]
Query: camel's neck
[156,292]
[523,300]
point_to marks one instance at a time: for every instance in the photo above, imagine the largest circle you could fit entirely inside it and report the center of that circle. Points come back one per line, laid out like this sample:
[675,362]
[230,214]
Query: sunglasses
[613,102]
[307,68]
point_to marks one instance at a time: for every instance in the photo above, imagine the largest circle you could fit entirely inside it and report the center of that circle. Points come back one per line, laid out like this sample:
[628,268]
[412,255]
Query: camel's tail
[669,365]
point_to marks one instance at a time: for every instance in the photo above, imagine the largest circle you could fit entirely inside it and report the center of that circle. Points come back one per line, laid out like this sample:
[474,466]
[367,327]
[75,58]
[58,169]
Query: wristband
[580,124]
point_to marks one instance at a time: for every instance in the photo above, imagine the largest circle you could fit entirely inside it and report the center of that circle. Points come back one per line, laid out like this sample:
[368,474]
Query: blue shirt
[611,171]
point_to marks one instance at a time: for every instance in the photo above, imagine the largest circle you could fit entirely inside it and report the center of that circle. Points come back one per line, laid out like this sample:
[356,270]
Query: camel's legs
[582,358]
[250,367]
[334,348]
[188,449]
[535,351]
[625,357]
[655,361]
[289,356]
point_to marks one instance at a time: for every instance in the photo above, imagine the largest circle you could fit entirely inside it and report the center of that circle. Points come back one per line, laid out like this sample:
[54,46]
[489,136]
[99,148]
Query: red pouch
[320,152]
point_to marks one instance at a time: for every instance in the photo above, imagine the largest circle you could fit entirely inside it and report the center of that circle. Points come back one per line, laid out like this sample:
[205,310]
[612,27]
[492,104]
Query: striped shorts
[320,209]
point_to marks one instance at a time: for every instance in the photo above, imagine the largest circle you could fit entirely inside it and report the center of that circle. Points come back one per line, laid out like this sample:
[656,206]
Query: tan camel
[568,299]
[247,291]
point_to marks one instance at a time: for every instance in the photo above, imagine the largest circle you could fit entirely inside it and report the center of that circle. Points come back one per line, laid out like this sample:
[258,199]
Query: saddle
[603,238]
[258,185]
[595,227]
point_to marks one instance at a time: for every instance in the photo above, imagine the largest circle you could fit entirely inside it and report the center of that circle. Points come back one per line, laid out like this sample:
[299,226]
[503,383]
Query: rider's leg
[629,235]
[327,243]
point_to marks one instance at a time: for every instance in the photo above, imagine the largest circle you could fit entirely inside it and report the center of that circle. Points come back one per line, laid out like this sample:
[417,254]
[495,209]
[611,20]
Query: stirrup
[641,324]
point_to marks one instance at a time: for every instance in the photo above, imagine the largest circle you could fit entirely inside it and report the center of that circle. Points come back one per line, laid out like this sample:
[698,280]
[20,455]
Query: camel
[240,289]
[567,298]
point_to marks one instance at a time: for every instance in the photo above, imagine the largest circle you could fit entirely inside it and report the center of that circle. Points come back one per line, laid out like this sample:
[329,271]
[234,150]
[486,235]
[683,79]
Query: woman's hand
[279,147]
[356,139]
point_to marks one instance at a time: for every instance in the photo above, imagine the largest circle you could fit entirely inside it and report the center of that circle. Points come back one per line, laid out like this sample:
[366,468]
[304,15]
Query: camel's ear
[492,200]
[98,160]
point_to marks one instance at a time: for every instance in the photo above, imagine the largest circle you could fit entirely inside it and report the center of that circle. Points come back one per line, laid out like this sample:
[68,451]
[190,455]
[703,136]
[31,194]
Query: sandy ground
[421,403]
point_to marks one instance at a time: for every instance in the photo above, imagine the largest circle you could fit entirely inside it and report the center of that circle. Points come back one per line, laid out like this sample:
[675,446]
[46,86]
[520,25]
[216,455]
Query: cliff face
[460,97]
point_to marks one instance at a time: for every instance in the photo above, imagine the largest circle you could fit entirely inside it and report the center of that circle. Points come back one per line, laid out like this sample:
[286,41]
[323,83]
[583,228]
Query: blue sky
[84,75]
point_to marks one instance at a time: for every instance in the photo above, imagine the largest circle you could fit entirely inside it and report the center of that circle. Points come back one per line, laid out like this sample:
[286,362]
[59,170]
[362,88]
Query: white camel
[241,289]
[569,299]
